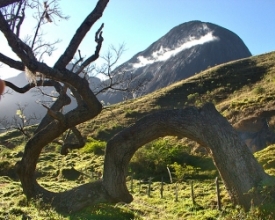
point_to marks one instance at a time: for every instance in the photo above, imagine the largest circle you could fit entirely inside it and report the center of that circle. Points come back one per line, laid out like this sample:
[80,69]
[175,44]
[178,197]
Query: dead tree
[30,53]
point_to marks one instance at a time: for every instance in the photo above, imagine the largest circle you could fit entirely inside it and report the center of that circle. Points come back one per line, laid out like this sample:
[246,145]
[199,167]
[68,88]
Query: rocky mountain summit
[185,50]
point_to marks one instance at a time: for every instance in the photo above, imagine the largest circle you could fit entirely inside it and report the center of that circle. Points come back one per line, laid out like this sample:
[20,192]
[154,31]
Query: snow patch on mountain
[164,54]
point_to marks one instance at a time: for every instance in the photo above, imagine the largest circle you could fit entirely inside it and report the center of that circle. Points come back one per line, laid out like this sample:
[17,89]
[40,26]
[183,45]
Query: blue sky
[138,23]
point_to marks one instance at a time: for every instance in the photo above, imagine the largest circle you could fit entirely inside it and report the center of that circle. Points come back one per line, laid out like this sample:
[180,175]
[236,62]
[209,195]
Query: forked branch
[92,58]
[70,51]
[29,86]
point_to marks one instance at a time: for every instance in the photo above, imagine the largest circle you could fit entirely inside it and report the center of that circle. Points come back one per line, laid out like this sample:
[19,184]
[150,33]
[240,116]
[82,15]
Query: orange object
[2,86]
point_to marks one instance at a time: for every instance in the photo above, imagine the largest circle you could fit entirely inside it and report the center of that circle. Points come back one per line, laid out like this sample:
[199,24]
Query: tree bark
[237,166]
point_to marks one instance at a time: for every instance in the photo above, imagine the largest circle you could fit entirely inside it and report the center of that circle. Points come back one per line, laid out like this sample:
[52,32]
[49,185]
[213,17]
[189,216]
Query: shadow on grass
[102,212]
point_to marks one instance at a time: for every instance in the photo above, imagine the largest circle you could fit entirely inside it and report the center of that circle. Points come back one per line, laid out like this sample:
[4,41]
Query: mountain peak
[178,39]
[186,49]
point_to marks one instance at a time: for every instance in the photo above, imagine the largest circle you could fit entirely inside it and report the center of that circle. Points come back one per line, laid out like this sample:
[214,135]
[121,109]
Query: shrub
[259,90]
[94,146]
[192,97]
[153,158]
[152,161]
[183,171]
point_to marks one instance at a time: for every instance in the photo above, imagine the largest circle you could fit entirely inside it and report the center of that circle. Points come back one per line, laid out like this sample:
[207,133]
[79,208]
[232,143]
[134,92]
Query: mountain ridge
[186,49]
[198,40]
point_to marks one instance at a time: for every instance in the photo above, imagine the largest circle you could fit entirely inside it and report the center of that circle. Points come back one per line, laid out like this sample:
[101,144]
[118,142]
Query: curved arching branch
[237,166]
[11,62]
[68,54]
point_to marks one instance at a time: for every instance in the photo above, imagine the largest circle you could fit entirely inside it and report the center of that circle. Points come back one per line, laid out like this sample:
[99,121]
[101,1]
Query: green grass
[94,146]
[238,89]
[14,204]
[169,207]
[266,158]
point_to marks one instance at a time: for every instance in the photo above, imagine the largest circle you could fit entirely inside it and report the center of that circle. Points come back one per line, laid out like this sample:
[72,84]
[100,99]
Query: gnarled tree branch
[98,40]
[70,146]
[238,168]
[68,54]
[205,125]
[11,62]
[29,86]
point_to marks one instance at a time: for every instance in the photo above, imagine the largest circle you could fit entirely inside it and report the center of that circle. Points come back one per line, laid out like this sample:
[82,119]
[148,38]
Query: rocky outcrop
[255,132]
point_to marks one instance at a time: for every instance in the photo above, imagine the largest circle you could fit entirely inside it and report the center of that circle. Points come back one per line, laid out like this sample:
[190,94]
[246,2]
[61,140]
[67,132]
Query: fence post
[192,194]
[218,194]
[132,183]
[176,193]
[170,176]
[149,187]
[161,188]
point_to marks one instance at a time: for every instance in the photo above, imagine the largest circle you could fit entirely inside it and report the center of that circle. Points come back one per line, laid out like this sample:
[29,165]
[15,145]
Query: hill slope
[239,89]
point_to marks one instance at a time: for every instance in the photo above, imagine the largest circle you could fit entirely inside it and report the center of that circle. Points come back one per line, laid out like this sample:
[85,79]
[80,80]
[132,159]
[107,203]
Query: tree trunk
[237,166]
[26,167]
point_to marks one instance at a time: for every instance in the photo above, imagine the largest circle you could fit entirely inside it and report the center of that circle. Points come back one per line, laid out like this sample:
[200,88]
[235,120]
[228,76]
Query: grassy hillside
[238,89]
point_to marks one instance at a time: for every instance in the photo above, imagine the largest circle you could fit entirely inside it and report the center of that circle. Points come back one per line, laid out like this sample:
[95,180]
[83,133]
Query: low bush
[152,161]
[94,146]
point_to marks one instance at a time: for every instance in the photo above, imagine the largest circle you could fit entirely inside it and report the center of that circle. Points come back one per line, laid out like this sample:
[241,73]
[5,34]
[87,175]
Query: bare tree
[20,121]
[236,164]
[30,53]
[116,81]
